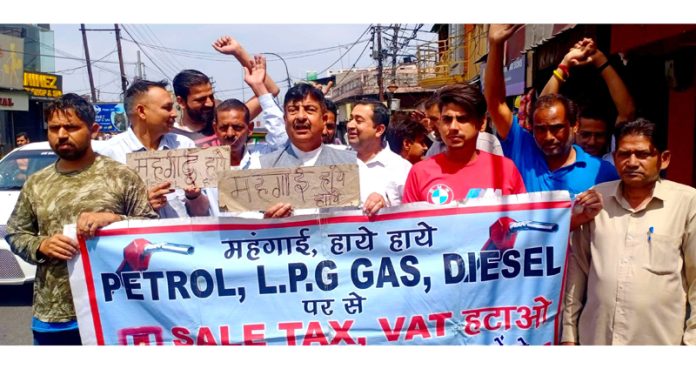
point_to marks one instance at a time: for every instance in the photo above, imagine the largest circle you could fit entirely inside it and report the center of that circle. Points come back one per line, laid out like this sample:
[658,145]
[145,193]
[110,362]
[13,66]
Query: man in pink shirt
[461,171]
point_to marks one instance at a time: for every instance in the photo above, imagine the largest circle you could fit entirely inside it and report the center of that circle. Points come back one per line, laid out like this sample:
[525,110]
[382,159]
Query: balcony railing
[441,62]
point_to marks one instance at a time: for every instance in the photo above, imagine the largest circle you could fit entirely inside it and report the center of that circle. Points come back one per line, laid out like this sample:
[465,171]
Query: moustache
[302,125]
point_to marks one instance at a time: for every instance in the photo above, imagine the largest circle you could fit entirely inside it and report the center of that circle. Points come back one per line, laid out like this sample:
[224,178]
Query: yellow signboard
[43,84]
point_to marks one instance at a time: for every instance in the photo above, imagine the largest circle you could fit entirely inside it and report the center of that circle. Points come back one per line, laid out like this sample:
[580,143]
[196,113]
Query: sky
[305,47]
[278,26]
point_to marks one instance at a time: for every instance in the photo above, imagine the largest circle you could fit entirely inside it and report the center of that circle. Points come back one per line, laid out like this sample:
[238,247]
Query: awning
[538,34]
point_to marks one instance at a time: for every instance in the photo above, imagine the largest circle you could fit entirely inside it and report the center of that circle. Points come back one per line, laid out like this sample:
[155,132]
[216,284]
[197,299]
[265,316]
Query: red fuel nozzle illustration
[136,256]
[503,233]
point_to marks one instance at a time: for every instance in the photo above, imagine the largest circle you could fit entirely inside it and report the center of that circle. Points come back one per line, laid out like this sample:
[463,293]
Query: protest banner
[182,167]
[303,187]
[485,272]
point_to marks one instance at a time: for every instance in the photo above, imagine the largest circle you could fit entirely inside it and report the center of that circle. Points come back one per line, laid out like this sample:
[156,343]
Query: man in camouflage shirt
[81,187]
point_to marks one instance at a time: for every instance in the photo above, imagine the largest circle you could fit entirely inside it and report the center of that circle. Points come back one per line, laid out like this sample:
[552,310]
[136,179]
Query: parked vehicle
[15,167]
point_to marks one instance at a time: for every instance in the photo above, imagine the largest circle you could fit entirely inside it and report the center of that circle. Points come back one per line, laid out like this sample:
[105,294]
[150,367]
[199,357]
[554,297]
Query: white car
[14,168]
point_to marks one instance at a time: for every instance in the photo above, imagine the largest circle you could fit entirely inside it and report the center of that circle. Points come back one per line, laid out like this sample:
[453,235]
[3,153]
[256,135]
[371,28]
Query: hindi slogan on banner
[413,275]
[303,187]
[182,167]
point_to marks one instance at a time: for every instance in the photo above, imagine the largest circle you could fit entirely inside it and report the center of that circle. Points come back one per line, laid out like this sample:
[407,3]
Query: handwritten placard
[303,187]
[181,167]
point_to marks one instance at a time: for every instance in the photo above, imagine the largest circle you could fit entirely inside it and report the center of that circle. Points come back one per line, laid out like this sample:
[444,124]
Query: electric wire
[146,54]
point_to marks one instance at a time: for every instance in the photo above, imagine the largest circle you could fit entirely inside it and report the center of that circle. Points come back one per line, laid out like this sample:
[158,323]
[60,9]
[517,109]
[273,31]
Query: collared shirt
[632,272]
[309,158]
[384,174]
[127,142]
[577,177]
[275,138]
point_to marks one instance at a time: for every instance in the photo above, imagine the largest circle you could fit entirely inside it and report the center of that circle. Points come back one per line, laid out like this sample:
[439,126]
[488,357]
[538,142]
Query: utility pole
[139,65]
[124,80]
[380,80]
[89,65]
[395,51]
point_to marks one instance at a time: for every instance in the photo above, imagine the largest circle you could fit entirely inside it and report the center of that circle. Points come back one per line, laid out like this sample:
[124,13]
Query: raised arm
[229,46]
[578,55]
[585,52]
[254,76]
[623,101]
[494,81]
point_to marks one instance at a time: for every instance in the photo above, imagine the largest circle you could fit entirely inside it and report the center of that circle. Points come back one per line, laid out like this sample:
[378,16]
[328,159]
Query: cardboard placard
[182,167]
[303,187]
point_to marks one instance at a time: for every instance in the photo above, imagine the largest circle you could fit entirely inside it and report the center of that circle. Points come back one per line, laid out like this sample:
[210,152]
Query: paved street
[15,315]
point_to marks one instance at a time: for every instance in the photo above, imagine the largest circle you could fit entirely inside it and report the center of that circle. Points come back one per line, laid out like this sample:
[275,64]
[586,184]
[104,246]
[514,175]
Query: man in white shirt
[381,170]
[151,112]
[232,126]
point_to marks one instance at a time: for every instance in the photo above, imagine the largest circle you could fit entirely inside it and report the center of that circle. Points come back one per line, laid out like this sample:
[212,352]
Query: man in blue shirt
[546,158]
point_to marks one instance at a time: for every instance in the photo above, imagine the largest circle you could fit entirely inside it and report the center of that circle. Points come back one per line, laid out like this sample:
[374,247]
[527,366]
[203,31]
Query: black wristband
[603,66]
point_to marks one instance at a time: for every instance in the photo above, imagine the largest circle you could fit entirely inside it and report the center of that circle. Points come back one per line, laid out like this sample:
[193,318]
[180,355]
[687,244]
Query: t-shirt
[439,180]
[584,173]
[203,138]
[48,201]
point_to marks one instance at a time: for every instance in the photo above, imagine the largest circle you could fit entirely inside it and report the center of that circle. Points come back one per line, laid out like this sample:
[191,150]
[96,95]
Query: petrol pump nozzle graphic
[136,256]
[503,232]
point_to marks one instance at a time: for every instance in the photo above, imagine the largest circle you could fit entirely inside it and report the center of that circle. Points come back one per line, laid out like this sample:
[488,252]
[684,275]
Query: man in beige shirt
[632,270]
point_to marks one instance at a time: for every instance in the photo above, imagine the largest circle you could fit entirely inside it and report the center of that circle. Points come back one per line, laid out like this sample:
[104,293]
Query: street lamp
[284,63]
[391,88]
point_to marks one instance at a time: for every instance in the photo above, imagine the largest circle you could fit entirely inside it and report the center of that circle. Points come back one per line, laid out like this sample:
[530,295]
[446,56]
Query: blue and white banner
[485,272]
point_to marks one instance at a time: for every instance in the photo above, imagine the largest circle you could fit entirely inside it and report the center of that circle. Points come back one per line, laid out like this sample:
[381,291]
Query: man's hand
[157,195]
[324,88]
[596,56]
[89,223]
[499,33]
[192,192]
[279,210]
[197,203]
[59,247]
[582,53]
[420,116]
[227,45]
[373,203]
[587,205]
[255,74]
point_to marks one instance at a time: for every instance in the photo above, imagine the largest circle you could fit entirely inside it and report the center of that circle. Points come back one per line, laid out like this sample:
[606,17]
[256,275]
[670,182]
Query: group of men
[632,263]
